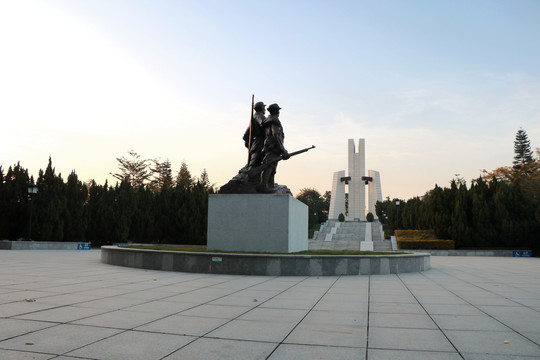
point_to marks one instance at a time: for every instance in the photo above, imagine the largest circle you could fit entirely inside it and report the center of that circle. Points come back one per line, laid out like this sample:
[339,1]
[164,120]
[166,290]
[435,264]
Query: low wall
[42,245]
[261,264]
[503,253]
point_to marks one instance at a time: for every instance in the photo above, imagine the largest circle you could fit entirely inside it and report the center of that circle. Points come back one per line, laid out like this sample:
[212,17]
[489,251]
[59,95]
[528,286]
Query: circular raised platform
[262,264]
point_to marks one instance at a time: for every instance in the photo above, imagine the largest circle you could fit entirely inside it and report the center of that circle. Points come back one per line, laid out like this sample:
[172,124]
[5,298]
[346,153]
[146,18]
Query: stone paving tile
[274,331]
[492,342]
[14,327]
[404,299]
[467,356]
[146,295]
[57,339]
[111,303]
[532,335]
[378,354]
[445,309]
[518,318]
[408,339]
[269,314]
[119,319]
[25,355]
[222,349]
[313,352]
[468,322]
[133,345]
[354,318]
[184,325]
[413,321]
[341,305]
[23,295]
[396,308]
[62,314]
[282,302]
[338,335]
[161,307]
[233,300]
[490,300]
[66,299]
[22,307]
[441,300]
[260,295]
[216,311]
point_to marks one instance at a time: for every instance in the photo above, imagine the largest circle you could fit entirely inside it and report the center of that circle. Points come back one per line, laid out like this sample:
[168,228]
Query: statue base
[243,184]
[275,223]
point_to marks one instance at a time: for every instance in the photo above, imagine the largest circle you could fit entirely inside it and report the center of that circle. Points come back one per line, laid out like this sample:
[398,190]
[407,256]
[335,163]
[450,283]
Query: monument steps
[348,236]
[384,245]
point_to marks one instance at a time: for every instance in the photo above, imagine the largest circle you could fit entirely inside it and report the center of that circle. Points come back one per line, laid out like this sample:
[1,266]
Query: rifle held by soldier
[258,169]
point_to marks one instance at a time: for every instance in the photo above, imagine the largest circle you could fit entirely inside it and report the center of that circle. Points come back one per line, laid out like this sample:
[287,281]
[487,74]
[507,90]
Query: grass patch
[200,248]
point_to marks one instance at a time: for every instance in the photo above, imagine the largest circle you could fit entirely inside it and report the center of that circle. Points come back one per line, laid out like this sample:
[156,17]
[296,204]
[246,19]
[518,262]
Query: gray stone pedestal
[257,222]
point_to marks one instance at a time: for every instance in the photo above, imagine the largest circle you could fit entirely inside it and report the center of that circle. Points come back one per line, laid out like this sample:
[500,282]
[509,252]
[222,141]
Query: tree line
[499,209]
[146,205]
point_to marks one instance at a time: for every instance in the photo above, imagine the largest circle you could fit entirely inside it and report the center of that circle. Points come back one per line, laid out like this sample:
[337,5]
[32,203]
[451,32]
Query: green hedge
[415,234]
[422,239]
[426,244]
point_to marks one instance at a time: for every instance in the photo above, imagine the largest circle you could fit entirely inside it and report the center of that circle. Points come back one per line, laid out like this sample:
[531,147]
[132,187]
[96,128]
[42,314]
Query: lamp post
[32,190]
[397,216]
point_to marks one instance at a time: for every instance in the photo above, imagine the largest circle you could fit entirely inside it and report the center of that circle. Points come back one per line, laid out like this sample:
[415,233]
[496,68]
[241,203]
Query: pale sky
[436,88]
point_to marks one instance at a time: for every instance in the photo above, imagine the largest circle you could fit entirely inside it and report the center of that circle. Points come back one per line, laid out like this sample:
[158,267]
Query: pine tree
[75,219]
[135,170]
[204,180]
[522,149]
[460,231]
[161,175]
[100,214]
[183,179]
[50,205]
[4,234]
[15,206]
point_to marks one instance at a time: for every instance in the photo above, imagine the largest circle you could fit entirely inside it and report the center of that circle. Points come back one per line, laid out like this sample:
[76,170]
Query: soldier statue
[256,131]
[264,140]
[273,149]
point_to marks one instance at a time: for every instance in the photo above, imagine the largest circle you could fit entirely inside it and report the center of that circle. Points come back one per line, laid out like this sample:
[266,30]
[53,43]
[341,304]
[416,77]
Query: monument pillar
[357,192]
[337,200]
[374,191]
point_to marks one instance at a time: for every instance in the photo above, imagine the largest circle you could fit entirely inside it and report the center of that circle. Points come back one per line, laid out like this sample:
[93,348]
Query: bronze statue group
[264,139]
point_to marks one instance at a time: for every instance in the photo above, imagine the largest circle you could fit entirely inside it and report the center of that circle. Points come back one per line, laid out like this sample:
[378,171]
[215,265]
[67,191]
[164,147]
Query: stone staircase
[379,243]
[334,235]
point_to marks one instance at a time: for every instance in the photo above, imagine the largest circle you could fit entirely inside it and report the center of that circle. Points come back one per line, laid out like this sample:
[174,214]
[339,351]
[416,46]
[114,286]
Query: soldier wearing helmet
[273,148]
[257,135]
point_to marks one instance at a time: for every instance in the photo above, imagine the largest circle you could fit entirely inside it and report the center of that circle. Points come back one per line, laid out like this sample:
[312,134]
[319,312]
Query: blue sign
[522,253]
[83,246]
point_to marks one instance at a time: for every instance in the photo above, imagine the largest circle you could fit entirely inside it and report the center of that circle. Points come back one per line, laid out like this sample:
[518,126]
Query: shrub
[341,217]
[370,217]
[415,234]
[426,244]
[422,240]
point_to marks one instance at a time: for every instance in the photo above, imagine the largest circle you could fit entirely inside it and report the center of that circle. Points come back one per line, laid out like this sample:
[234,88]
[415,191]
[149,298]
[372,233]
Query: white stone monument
[374,191]
[356,181]
[337,200]
[357,190]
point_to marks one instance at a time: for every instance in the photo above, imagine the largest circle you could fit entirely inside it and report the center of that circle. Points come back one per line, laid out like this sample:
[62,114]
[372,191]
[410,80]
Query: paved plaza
[67,305]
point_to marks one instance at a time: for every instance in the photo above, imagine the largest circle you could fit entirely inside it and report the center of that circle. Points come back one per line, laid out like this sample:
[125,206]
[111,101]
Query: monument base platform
[270,223]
